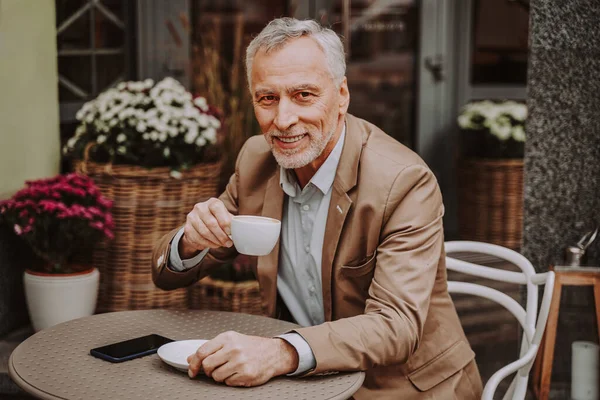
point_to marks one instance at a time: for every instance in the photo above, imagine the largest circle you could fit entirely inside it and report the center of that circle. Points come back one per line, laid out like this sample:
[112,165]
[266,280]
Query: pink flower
[105,202]
[95,211]
[108,221]
[108,233]
[97,225]
[23,213]
[18,229]
[78,192]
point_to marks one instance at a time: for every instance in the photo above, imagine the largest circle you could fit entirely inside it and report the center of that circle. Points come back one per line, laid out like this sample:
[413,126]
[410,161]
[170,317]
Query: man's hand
[242,360]
[207,225]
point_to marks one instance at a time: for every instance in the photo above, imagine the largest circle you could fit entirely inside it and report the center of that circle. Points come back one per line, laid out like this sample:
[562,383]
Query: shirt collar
[323,178]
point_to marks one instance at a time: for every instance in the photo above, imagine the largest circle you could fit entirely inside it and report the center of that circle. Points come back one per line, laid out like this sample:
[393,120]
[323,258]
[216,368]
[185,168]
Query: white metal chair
[532,322]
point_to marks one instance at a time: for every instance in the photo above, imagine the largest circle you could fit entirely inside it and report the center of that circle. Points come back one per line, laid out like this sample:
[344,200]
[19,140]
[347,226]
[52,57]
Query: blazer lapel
[346,177]
[267,265]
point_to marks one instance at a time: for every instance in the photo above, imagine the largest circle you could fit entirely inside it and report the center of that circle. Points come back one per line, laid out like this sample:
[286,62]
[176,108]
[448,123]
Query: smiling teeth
[291,139]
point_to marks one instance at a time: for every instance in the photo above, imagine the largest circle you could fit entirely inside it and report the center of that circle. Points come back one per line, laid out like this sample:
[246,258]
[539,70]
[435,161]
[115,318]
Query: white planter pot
[55,298]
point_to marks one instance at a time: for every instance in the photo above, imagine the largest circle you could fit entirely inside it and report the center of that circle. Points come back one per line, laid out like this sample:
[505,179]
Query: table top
[56,362]
[569,269]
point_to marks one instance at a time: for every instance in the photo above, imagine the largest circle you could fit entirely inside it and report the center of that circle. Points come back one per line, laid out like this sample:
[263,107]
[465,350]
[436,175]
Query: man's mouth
[290,139]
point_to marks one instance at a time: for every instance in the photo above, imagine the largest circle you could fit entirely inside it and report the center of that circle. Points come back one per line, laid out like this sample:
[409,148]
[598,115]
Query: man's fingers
[224,372]
[194,239]
[222,215]
[215,361]
[195,360]
[213,225]
[203,235]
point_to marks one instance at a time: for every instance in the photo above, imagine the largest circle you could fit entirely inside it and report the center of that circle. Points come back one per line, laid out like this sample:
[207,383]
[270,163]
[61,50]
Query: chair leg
[537,368]
[511,389]
[520,389]
[549,342]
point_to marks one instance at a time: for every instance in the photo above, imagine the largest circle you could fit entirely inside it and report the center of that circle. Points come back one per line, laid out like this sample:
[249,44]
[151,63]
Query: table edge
[348,393]
[20,382]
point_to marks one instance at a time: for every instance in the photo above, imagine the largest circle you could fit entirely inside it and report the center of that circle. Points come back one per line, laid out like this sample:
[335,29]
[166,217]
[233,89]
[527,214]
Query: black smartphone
[130,349]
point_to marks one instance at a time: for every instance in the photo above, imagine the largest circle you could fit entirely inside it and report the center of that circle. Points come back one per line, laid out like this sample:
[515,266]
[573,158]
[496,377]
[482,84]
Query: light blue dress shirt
[301,249]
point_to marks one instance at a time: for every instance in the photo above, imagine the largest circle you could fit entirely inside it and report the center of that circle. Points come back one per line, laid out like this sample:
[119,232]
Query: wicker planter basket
[147,204]
[212,294]
[490,194]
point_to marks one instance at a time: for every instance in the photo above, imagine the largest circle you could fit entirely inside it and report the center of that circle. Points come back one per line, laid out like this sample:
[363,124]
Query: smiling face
[299,107]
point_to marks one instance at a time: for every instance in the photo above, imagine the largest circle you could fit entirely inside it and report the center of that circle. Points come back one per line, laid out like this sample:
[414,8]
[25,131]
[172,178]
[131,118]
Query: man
[360,262]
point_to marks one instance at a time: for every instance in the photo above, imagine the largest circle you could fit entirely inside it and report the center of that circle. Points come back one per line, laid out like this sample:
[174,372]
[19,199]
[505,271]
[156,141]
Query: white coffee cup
[253,235]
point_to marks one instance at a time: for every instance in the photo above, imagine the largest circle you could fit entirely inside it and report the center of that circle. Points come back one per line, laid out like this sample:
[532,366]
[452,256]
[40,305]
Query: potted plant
[153,149]
[490,173]
[60,219]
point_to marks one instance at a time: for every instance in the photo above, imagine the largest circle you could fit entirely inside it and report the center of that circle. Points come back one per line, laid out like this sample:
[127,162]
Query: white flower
[141,127]
[101,139]
[215,122]
[154,136]
[176,174]
[200,102]
[162,137]
[146,136]
[80,130]
[464,121]
[201,141]
[167,152]
[519,112]
[191,135]
[203,120]
[121,138]
[121,150]
[71,142]
[122,86]
[518,133]
[500,129]
[211,135]
[173,132]
[148,83]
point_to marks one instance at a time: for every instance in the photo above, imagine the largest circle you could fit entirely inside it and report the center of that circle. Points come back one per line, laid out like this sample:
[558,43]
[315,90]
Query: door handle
[435,65]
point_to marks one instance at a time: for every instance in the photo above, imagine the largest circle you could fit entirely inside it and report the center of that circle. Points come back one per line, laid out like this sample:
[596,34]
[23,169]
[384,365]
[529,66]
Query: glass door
[382,47]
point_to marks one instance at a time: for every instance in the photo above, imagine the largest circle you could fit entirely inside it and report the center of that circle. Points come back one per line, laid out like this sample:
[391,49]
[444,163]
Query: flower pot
[55,298]
[148,203]
[490,194]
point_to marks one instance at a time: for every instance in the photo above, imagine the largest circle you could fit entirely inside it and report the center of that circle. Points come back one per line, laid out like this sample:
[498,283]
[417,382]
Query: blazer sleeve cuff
[306,358]
[175,261]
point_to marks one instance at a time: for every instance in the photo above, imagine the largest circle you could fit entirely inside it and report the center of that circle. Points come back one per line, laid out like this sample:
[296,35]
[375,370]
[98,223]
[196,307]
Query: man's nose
[286,115]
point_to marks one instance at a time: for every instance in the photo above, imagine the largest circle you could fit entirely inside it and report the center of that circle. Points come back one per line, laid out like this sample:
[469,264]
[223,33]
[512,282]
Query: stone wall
[562,160]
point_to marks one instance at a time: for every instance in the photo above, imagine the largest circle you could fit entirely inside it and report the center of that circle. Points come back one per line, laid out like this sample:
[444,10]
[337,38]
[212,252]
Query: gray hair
[279,31]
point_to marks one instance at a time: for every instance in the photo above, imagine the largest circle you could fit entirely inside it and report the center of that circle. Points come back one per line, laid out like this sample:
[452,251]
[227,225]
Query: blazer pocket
[361,269]
[442,367]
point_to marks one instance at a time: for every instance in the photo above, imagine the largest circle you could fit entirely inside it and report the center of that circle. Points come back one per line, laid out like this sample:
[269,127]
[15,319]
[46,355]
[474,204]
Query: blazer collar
[346,178]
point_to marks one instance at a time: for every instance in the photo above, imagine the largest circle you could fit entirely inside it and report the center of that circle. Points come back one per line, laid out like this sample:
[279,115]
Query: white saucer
[176,353]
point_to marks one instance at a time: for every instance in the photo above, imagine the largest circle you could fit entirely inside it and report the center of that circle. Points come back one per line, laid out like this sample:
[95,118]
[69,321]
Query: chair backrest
[532,321]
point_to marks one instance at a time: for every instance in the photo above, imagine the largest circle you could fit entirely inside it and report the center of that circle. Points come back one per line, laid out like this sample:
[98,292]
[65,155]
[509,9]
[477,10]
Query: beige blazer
[386,304]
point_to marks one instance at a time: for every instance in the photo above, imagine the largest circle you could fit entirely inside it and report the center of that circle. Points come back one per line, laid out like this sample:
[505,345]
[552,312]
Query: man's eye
[267,99]
[304,95]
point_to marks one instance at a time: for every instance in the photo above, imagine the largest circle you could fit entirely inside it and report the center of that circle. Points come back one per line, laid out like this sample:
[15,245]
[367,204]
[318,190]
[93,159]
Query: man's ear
[344,96]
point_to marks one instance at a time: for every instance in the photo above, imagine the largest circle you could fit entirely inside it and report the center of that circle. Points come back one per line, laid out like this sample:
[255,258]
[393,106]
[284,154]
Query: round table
[56,362]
